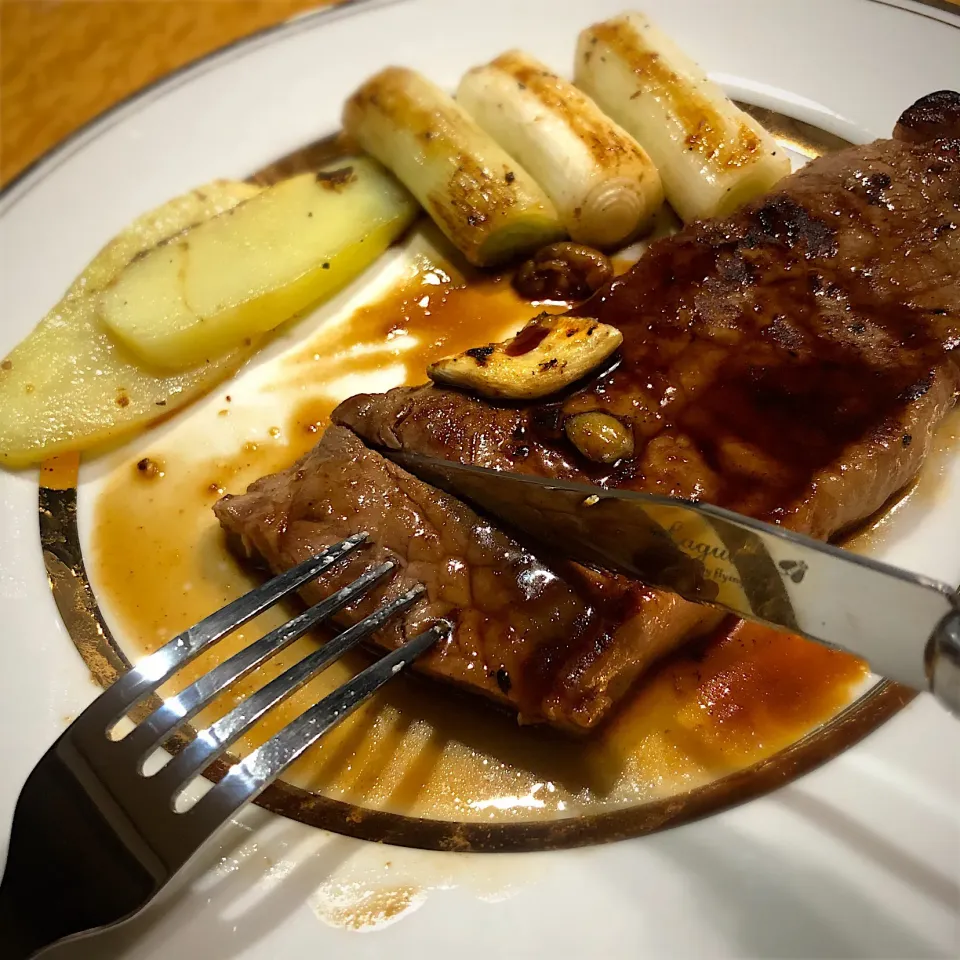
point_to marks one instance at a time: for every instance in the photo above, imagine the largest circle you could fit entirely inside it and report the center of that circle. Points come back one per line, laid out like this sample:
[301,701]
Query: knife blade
[906,626]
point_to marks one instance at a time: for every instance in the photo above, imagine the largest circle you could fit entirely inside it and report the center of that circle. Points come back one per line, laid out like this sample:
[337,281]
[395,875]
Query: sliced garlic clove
[547,355]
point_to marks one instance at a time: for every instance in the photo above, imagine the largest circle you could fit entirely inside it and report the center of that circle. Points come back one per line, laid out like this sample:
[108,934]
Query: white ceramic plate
[860,858]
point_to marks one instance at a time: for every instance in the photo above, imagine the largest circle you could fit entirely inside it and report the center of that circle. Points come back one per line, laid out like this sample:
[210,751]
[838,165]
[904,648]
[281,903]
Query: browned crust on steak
[557,643]
[933,117]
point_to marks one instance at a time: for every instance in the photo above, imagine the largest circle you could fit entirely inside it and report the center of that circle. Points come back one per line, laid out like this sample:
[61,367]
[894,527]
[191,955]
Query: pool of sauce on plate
[160,564]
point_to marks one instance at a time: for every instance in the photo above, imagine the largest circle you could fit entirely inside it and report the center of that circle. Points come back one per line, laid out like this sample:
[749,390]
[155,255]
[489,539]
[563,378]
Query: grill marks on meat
[774,362]
[558,643]
[802,337]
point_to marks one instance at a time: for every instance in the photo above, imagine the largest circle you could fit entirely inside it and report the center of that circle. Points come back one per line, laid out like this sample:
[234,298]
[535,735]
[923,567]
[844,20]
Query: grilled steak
[789,362]
[555,643]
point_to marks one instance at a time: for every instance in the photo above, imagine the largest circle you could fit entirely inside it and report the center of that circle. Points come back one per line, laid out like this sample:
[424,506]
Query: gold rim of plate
[106,660]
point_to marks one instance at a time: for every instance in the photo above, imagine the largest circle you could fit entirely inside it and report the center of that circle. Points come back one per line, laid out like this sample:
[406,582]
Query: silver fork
[95,839]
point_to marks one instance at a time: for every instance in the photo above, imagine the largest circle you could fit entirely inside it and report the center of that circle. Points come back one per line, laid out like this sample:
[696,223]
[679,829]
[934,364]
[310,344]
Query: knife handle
[943,662]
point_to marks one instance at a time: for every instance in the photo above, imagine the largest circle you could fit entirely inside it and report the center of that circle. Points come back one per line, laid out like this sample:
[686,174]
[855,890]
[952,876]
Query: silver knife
[906,626]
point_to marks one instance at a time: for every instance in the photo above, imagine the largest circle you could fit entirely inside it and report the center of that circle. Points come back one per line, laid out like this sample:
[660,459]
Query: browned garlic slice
[548,354]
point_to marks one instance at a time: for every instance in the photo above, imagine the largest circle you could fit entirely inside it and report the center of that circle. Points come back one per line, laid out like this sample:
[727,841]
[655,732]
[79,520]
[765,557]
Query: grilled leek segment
[490,208]
[243,273]
[602,182]
[712,156]
[70,384]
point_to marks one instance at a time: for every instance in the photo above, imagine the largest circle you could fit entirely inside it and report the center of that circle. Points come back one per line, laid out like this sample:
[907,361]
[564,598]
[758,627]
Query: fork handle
[20,940]
[69,871]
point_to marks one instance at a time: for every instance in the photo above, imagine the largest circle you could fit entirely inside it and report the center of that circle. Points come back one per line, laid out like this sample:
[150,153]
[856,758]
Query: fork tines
[97,838]
[158,793]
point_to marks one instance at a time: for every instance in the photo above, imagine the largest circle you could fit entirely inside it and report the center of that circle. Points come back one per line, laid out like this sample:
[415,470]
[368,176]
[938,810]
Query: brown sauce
[159,564]
[433,314]
[526,340]
[60,473]
[366,906]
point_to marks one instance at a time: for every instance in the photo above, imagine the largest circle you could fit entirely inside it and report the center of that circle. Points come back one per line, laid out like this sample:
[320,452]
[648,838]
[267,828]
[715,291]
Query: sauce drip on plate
[160,564]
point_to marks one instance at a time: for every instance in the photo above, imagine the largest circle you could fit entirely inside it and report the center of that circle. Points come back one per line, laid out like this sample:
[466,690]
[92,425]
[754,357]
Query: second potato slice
[256,265]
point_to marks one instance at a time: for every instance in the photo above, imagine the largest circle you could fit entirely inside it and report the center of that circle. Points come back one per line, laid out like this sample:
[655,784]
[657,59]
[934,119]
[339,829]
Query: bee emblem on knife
[795,569]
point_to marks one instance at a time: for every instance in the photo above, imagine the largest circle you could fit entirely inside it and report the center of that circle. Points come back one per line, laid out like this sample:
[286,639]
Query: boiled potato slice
[257,265]
[69,384]
[159,225]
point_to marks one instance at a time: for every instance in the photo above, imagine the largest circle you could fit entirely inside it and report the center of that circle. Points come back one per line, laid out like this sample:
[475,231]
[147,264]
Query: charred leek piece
[481,198]
[603,183]
[712,156]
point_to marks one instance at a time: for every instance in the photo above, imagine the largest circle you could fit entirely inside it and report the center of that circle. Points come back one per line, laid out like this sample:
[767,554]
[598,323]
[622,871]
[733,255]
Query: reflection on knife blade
[710,555]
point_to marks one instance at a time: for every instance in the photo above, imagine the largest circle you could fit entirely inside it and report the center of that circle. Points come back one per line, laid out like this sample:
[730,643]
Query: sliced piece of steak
[789,362]
[555,642]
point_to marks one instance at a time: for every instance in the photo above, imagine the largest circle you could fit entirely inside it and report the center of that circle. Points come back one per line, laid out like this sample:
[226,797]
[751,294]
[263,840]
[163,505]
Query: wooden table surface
[64,61]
